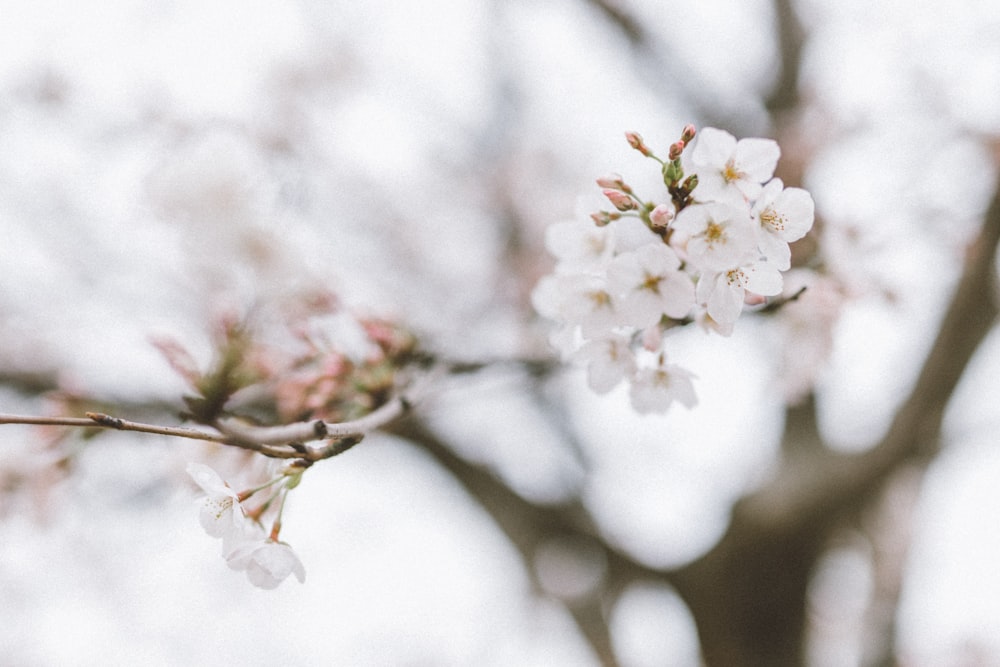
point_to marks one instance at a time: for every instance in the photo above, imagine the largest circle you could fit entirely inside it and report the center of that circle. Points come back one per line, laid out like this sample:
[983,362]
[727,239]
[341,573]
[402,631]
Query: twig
[100,420]
[286,441]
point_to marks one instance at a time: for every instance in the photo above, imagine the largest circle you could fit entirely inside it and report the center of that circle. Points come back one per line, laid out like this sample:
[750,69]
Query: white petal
[208,480]
[757,158]
[776,250]
[631,234]
[547,298]
[763,279]
[610,361]
[713,148]
[799,210]
[271,563]
[726,302]
[677,295]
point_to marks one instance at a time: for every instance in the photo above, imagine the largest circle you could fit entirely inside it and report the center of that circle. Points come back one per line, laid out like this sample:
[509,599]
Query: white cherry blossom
[720,236]
[267,562]
[783,215]
[650,284]
[730,169]
[221,512]
[610,360]
[580,247]
[578,299]
[723,293]
[656,389]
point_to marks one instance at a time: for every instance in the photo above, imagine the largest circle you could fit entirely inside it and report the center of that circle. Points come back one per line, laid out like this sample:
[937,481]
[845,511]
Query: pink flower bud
[652,338]
[751,299]
[635,141]
[612,180]
[661,216]
[621,200]
[676,149]
[687,134]
[602,218]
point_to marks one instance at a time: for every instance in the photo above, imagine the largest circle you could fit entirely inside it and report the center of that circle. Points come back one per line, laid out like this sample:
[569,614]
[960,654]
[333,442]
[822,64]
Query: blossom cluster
[718,241]
[246,545]
[331,365]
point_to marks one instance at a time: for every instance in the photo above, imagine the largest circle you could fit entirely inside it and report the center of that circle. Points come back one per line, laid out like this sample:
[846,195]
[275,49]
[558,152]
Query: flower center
[737,278]
[715,233]
[651,283]
[773,220]
[731,172]
[600,299]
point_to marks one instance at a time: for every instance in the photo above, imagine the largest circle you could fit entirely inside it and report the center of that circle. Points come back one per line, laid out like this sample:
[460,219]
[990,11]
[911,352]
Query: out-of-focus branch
[666,70]
[529,526]
[749,592]
[785,93]
[888,525]
[801,436]
[799,494]
[625,22]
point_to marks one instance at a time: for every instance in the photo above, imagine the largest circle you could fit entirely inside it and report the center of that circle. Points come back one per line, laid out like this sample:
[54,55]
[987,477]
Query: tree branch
[284,442]
[529,526]
[791,37]
[800,493]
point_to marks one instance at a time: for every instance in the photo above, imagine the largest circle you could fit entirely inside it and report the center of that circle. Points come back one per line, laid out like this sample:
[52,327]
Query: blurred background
[165,162]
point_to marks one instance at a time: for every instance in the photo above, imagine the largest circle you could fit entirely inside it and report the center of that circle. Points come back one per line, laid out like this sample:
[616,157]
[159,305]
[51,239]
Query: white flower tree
[337,248]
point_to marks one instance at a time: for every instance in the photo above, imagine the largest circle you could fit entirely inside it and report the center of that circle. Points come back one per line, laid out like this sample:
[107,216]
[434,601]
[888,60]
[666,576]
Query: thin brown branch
[284,442]
[310,431]
[99,420]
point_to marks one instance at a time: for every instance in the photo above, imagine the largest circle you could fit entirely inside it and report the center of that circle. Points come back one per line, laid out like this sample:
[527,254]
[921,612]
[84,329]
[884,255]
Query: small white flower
[730,169]
[720,236]
[783,216]
[579,247]
[723,293]
[221,512]
[577,299]
[610,360]
[655,389]
[650,284]
[266,562]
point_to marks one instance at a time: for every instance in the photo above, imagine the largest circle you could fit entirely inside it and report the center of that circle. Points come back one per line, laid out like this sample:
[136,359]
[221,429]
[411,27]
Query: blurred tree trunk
[749,593]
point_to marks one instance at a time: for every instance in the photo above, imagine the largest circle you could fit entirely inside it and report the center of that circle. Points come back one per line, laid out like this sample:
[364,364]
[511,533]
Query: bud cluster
[321,378]
[716,241]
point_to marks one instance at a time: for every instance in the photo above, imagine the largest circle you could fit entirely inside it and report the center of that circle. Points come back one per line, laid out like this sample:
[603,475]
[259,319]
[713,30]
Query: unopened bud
[621,200]
[661,216]
[602,218]
[691,182]
[672,172]
[676,149]
[652,338]
[635,141]
[613,181]
[687,134]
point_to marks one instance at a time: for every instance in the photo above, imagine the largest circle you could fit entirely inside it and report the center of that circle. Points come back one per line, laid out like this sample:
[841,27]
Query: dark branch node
[106,420]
